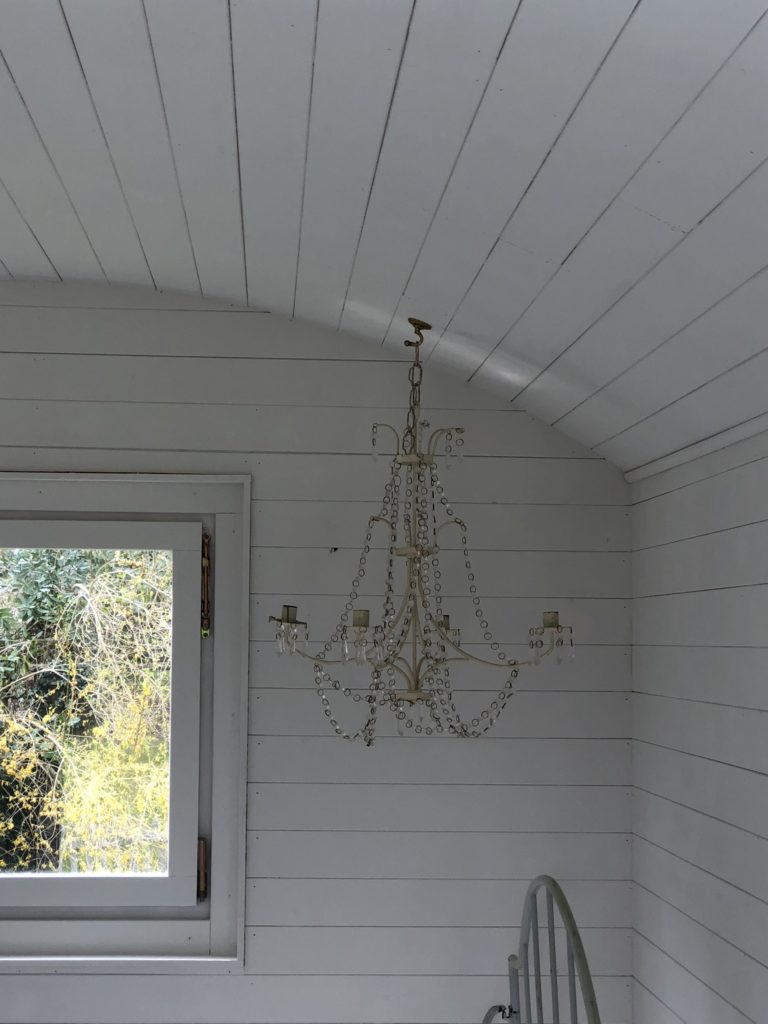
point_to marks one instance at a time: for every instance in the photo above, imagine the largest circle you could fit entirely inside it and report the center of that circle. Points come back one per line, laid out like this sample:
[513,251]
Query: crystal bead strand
[322,678]
[489,714]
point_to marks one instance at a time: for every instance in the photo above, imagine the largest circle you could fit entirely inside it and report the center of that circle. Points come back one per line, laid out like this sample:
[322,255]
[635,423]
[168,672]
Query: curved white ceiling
[575,192]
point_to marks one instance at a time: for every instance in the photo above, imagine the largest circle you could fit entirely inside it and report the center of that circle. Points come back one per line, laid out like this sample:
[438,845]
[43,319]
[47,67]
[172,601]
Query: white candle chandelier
[411,650]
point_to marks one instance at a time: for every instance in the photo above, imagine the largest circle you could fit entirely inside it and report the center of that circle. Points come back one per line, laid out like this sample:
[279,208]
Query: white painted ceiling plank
[611,134]
[359,47]
[719,406]
[20,252]
[32,181]
[36,44]
[87,295]
[642,88]
[273,43]
[509,276]
[607,263]
[452,50]
[732,331]
[191,42]
[527,102]
[113,46]
[719,141]
[728,247]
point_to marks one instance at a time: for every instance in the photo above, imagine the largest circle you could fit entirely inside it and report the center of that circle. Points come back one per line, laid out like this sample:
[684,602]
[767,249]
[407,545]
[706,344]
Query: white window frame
[172,933]
[179,887]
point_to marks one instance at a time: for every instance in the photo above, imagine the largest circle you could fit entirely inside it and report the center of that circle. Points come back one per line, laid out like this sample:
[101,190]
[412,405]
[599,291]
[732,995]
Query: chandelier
[410,651]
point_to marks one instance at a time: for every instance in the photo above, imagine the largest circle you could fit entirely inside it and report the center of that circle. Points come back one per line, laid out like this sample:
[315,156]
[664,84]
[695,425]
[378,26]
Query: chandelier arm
[466,656]
[463,655]
[401,609]
[507,664]
[381,519]
[426,657]
[458,523]
[388,426]
[404,672]
[318,660]
[542,654]
[435,436]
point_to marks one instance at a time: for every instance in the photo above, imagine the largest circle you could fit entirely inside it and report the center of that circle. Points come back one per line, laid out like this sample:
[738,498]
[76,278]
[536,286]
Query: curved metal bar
[494,1012]
[537,962]
[513,963]
[577,960]
[388,426]
[553,959]
[458,523]
[520,965]
[436,435]
[463,655]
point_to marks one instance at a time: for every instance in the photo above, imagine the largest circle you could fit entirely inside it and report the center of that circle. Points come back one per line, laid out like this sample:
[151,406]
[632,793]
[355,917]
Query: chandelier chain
[415,374]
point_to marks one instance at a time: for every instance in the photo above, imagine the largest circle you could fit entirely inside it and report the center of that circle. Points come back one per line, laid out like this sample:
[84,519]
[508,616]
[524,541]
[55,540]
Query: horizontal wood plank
[731,794]
[682,993]
[435,903]
[725,559]
[418,951]
[497,574]
[719,675]
[293,712]
[191,426]
[433,761]
[704,506]
[705,842]
[273,999]
[409,855]
[731,735]
[723,909]
[350,806]
[228,382]
[719,618]
[340,524]
[738,980]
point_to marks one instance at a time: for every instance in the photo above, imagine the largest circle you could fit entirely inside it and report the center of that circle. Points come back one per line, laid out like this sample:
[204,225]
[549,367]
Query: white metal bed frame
[529,956]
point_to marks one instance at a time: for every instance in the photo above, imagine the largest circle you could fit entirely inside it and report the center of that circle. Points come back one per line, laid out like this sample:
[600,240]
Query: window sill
[202,965]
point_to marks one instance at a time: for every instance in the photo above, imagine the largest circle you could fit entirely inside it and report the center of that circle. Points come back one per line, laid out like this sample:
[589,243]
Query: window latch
[205,588]
[202,870]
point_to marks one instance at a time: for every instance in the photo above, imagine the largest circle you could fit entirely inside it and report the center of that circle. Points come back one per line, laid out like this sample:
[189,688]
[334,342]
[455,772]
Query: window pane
[85,684]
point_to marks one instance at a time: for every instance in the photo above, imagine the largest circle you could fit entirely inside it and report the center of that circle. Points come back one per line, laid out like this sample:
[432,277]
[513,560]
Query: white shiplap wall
[700,756]
[384,884]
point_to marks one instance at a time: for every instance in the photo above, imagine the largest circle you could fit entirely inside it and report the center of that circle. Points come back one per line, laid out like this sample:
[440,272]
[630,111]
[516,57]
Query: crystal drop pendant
[280,641]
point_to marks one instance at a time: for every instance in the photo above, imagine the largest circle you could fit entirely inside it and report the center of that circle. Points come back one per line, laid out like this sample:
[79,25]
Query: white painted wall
[700,756]
[385,884]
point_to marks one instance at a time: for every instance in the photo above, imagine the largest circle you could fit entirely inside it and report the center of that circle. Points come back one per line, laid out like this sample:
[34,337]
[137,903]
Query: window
[122,747]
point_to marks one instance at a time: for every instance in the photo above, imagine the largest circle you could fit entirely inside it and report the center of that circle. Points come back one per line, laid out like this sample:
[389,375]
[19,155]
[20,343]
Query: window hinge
[205,587]
[202,870]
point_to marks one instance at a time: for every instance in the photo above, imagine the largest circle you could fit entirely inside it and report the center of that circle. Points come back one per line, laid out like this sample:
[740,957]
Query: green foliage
[84,709]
